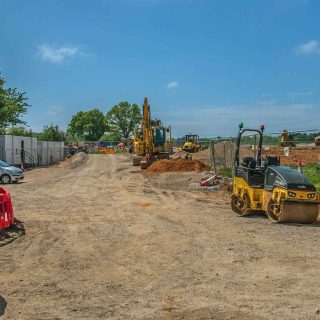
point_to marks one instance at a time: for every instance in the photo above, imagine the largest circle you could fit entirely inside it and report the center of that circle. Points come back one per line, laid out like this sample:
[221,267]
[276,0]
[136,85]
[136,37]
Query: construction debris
[211,188]
[215,182]
[212,180]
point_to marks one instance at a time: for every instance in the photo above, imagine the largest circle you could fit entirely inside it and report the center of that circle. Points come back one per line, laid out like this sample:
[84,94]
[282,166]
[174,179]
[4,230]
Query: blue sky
[205,65]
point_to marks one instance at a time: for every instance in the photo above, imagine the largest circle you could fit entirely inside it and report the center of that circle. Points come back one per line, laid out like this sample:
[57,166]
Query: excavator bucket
[6,210]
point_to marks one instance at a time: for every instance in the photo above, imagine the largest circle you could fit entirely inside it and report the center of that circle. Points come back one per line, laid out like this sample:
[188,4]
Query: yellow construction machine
[286,139]
[283,193]
[317,141]
[192,143]
[152,141]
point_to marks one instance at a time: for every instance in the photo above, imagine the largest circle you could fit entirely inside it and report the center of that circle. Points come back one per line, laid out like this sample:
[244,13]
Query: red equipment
[121,145]
[6,210]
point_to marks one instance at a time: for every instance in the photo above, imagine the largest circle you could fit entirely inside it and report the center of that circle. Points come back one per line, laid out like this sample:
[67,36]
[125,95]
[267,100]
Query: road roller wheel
[240,205]
[274,211]
[293,212]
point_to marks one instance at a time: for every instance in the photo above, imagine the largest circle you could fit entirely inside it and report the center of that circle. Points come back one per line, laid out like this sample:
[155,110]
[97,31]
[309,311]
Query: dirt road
[105,242]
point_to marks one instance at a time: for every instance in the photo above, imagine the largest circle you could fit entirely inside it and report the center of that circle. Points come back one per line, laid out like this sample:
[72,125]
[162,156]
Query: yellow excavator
[191,144]
[286,139]
[283,193]
[152,141]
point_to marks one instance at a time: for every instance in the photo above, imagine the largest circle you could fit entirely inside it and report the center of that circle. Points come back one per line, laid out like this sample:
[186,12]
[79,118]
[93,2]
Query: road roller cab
[283,193]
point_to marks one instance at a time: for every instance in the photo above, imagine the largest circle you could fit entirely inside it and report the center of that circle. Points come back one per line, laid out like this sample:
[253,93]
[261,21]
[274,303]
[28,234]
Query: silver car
[10,174]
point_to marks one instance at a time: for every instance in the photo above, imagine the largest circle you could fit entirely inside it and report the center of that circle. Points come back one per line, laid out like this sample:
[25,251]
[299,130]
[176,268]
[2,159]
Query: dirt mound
[203,155]
[78,159]
[178,165]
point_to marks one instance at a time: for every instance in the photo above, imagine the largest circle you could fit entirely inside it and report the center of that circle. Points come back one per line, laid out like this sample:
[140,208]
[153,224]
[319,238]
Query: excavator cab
[192,138]
[159,136]
[283,193]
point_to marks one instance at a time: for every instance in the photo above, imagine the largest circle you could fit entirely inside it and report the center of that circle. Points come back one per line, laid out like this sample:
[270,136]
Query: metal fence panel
[222,156]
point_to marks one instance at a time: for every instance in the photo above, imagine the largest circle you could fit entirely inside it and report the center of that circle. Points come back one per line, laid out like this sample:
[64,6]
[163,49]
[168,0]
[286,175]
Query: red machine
[121,145]
[6,210]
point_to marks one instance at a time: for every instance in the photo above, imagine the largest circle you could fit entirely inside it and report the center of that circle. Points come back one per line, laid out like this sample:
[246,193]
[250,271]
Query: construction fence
[32,157]
[28,151]
[304,151]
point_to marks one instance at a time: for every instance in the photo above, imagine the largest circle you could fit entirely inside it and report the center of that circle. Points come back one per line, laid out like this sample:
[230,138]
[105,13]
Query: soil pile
[178,165]
[78,160]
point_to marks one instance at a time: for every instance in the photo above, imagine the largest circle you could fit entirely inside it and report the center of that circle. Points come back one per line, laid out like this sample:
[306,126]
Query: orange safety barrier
[106,150]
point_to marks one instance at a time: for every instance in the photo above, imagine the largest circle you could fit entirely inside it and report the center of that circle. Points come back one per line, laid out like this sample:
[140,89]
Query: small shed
[17,149]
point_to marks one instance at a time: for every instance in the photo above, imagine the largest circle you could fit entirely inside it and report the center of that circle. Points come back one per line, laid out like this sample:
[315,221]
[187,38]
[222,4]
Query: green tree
[52,133]
[123,118]
[13,105]
[20,131]
[90,125]
[110,137]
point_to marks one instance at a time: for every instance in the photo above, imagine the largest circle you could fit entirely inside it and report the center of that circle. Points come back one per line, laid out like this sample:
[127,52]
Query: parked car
[9,173]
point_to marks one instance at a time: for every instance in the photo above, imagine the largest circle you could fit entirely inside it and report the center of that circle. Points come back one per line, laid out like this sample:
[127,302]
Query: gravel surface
[104,241]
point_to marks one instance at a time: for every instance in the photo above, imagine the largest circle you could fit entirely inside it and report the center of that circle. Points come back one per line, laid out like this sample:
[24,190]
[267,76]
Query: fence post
[213,164]
[224,155]
[232,157]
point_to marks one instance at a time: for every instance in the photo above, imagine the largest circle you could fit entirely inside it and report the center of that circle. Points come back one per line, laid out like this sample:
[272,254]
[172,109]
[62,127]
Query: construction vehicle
[283,193]
[317,141]
[137,146]
[150,140]
[286,139]
[192,143]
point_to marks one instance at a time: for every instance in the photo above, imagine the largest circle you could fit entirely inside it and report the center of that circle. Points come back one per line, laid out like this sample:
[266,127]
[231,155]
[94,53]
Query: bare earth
[106,242]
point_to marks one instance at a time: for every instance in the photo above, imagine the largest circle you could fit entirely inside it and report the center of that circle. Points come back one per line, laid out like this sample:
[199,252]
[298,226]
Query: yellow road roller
[192,143]
[263,185]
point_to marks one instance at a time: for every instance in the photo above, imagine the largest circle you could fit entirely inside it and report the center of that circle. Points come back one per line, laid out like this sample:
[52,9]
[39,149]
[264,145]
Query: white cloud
[294,95]
[54,54]
[310,47]
[53,111]
[172,85]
